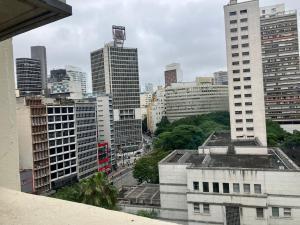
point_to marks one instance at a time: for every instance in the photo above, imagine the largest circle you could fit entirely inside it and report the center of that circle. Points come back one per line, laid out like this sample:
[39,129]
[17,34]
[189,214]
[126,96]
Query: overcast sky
[190,32]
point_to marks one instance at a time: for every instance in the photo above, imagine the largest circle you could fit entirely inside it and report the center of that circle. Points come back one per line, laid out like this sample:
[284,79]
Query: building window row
[203,209]
[226,187]
[242,12]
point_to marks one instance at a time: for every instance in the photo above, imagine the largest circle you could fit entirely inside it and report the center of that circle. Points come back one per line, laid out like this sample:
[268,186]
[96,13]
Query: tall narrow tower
[245,75]
[39,53]
[115,71]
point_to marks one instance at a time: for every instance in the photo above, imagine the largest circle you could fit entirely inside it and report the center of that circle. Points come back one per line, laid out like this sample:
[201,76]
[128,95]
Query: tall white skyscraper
[78,75]
[245,75]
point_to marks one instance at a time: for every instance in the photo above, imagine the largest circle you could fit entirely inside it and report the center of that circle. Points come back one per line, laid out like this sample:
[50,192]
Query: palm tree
[97,191]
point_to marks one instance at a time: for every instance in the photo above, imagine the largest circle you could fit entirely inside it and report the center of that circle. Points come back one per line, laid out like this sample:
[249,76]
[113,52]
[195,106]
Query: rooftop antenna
[119,35]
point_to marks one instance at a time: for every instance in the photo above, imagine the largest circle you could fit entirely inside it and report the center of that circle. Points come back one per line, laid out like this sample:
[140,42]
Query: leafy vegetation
[96,191]
[149,214]
[190,132]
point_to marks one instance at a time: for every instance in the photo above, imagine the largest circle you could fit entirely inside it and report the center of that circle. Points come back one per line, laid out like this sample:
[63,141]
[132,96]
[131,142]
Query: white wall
[9,151]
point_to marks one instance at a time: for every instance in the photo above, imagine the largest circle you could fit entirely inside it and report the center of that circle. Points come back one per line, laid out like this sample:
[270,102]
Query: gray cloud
[190,32]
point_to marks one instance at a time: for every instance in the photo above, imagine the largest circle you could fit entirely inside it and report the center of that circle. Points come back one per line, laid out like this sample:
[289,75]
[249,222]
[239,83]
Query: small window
[245,53]
[259,212]
[275,211]
[233,30]
[234,38]
[245,37]
[235,54]
[246,45]
[248,103]
[244,20]
[246,61]
[234,46]
[250,129]
[237,96]
[249,112]
[216,187]
[225,187]
[233,21]
[235,71]
[238,104]
[244,28]
[232,13]
[235,63]
[236,79]
[239,129]
[246,70]
[287,212]
[249,120]
[206,208]
[205,187]
[196,207]
[239,121]
[247,86]
[196,185]
[238,112]
[236,188]
[257,187]
[237,87]
[243,11]
[247,78]
[248,95]
[247,188]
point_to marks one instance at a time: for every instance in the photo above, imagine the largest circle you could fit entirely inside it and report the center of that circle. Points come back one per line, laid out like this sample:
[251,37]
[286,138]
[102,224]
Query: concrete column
[9,151]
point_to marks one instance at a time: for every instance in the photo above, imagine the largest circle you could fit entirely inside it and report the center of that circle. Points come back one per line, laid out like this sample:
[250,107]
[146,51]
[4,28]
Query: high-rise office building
[245,75]
[39,53]
[86,130]
[280,54]
[173,74]
[194,98]
[115,71]
[29,81]
[221,78]
[78,75]
[149,87]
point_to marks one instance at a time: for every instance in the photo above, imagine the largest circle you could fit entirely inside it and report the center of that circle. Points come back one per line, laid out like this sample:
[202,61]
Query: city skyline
[160,34]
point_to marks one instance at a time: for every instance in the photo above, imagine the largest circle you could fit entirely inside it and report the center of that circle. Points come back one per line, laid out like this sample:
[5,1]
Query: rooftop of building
[219,151]
[145,194]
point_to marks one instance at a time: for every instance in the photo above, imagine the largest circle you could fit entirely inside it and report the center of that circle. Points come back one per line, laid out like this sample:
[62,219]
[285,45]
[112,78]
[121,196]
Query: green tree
[146,168]
[162,126]
[292,142]
[275,134]
[96,191]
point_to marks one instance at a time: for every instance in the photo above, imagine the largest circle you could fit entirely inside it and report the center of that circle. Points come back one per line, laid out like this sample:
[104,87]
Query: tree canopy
[96,191]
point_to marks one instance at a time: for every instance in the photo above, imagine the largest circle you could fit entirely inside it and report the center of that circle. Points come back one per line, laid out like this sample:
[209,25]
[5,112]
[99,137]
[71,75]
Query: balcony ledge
[26,209]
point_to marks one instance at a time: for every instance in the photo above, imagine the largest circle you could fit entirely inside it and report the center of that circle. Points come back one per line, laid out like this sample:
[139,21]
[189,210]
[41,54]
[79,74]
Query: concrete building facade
[145,100]
[221,78]
[280,54]
[86,131]
[105,122]
[77,75]
[29,80]
[156,110]
[173,74]
[245,77]
[115,71]
[187,99]
[39,53]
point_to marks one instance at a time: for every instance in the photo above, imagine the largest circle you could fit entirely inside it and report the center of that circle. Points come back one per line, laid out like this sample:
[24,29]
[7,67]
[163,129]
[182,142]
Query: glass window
[247,188]
[216,187]
[196,185]
[238,104]
[243,11]
[233,21]
[232,13]
[225,187]
[239,121]
[196,207]
[206,208]
[275,211]
[287,212]
[244,20]
[236,188]
[205,187]
[259,212]
[257,188]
